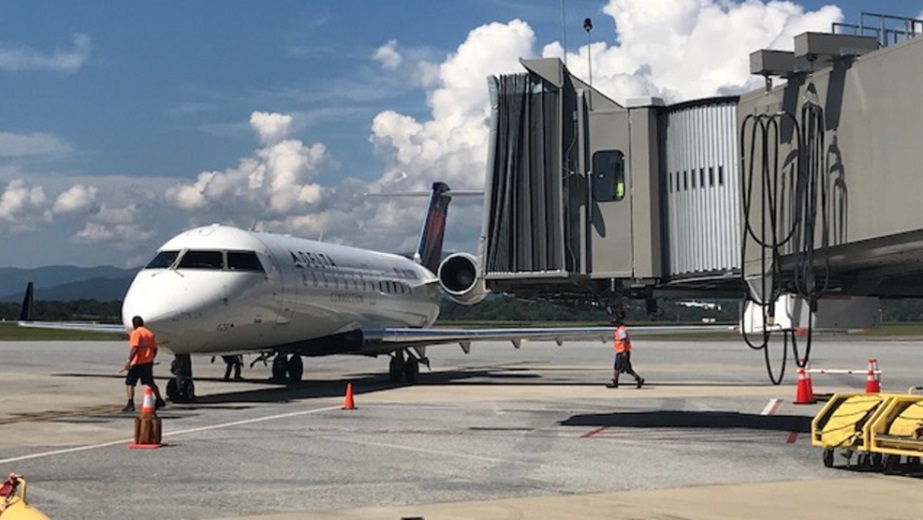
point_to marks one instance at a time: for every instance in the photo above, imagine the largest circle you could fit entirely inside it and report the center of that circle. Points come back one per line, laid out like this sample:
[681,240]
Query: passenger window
[163,260]
[202,260]
[608,176]
[244,261]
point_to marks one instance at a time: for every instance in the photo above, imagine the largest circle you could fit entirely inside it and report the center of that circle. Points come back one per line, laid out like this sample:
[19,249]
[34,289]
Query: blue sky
[123,123]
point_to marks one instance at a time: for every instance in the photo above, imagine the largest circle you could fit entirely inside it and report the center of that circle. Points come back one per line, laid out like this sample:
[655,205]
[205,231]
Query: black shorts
[143,372]
[623,362]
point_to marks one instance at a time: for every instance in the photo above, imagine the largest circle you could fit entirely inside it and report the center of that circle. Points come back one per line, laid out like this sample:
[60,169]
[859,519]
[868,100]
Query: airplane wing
[25,320]
[111,328]
[391,338]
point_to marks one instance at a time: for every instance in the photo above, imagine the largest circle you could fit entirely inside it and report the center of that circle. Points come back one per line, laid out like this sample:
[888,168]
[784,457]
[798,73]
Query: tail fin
[25,314]
[429,250]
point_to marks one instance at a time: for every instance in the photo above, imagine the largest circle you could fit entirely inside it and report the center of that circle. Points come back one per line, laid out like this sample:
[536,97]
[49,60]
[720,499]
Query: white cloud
[25,58]
[452,146]
[21,206]
[271,128]
[388,56]
[76,199]
[115,225]
[686,49]
[274,182]
[33,145]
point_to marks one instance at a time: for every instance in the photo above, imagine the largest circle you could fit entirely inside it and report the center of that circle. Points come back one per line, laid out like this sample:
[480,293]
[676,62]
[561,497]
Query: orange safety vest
[622,341]
[143,338]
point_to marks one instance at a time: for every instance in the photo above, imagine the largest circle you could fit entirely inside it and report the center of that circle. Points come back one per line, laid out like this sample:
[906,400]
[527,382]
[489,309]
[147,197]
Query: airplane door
[285,290]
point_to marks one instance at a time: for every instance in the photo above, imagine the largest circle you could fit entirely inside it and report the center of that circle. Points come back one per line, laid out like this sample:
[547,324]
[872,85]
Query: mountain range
[66,282]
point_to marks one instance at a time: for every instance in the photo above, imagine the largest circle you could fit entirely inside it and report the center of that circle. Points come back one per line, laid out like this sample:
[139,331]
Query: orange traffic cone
[348,403]
[147,424]
[872,384]
[804,394]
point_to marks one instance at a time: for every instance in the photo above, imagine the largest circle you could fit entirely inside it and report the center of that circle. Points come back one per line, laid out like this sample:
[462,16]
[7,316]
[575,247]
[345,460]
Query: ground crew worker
[622,344]
[232,363]
[140,363]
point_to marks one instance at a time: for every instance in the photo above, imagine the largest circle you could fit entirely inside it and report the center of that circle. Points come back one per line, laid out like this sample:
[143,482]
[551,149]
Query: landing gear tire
[411,370]
[396,368]
[279,368]
[828,458]
[295,368]
[181,391]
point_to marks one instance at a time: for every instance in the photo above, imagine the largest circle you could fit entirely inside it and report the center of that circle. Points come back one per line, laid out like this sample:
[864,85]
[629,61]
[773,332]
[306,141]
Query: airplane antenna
[321,237]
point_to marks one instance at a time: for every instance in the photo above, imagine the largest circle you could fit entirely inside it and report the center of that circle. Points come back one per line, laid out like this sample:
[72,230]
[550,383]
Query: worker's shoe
[159,403]
[130,407]
[612,384]
[639,382]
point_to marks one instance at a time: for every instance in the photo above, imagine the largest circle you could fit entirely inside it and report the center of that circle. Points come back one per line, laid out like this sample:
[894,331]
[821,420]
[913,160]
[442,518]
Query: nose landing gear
[181,388]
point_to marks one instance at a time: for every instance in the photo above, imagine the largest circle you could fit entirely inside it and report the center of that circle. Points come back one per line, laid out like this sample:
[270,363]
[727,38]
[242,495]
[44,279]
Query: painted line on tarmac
[593,432]
[168,434]
[772,407]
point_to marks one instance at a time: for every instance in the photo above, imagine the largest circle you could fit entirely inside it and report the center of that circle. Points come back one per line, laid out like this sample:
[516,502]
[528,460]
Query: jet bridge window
[608,176]
[163,260]
[244,261]
[202,260]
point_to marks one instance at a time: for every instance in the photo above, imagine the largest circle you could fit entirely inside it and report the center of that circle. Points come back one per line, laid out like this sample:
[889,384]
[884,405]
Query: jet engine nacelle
[458,277]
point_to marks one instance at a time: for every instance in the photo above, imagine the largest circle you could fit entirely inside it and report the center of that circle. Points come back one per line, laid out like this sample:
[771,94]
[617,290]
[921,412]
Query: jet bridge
[808,188]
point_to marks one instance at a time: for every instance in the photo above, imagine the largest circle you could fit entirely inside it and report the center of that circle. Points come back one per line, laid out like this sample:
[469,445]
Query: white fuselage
[207,293]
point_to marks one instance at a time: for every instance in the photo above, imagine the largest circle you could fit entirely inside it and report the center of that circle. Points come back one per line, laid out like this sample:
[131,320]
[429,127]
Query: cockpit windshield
[202,260]
[212,260]
[244,261]
[163,260]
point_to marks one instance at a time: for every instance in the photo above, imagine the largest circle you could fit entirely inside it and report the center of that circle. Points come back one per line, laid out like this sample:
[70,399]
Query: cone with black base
[147,424]
[348,403]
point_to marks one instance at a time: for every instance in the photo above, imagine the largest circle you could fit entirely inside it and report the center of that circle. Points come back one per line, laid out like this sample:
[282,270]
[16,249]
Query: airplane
[219,290]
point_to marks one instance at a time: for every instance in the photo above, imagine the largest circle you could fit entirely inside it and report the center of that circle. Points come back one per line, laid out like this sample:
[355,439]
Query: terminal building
[803,192]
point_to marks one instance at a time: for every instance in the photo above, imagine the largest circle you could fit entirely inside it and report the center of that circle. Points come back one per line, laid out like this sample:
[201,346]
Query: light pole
[588,26]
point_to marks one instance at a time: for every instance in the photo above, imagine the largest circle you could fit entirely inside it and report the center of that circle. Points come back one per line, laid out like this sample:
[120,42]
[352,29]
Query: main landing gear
[181,389]
[403,369]
[287,368]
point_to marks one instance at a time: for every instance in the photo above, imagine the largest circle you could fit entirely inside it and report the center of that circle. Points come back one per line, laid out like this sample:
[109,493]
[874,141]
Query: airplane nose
[172,305]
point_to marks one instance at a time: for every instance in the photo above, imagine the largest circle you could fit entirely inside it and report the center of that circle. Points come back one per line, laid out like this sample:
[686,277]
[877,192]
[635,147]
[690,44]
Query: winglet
[25,314]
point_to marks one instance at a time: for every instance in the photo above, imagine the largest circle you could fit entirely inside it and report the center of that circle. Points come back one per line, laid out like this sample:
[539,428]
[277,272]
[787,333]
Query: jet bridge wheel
[295,368]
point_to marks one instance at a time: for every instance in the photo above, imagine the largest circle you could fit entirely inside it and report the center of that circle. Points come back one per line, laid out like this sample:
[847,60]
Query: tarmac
[499,434]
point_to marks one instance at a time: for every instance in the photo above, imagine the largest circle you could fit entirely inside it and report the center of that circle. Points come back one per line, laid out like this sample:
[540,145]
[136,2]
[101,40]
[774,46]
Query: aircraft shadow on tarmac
[693,419]
[489,375]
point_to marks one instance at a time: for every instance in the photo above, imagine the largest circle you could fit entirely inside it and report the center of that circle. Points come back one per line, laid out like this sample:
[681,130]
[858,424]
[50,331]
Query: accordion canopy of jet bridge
[587,198]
